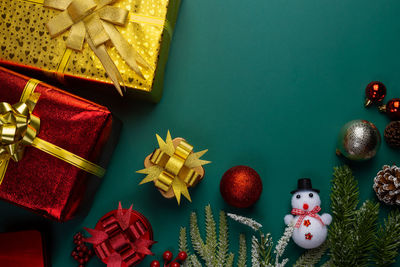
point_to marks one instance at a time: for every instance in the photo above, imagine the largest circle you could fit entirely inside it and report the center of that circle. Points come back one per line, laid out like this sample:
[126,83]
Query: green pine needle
[231,258]
[197,241]
[223,243]
[388,241]
[344,195]
[211,234]
[242,251]
[363,236]
[312,256]
[183,240]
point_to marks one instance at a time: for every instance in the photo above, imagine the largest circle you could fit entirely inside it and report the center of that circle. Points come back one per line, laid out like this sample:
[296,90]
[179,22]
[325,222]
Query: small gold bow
[95,20]
[18,128]
[173,167]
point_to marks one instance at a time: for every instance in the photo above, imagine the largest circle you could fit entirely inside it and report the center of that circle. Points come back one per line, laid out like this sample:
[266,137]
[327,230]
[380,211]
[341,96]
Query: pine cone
[387,185]
[392,134]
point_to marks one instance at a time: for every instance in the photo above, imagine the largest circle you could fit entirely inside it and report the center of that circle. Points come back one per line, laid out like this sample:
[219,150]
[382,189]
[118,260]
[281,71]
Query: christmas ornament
[81,253]
[122,237]
[310,228]
[392,134]
[387,185]
[168,262]
[241,186]
[358,140]
[392,109]
[374,92]
[173,167]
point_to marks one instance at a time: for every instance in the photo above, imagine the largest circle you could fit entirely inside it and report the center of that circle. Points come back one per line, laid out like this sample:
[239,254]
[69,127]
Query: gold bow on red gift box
[94,21]
[19,128]
[173,167]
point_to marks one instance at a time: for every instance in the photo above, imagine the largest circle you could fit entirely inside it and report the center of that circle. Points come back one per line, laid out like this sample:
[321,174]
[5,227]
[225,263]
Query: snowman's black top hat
[304,184]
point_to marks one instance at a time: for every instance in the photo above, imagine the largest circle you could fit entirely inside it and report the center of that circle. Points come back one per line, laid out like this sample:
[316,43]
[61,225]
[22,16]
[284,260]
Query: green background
[264,83]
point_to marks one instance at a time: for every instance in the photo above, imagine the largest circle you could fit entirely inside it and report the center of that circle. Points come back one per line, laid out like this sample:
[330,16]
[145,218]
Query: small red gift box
[46,182]
[122,237]
[22,249]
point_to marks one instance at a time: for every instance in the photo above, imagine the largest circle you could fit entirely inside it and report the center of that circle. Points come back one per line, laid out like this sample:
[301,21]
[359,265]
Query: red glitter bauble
[374,92]
[241,186]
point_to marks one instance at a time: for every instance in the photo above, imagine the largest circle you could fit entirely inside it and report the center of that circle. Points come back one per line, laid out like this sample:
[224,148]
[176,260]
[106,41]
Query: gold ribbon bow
[19,128]
[174,167]
[95,20]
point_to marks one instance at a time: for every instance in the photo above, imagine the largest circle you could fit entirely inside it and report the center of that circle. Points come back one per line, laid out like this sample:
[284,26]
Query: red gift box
[22,249]
[42,182]
[122,237]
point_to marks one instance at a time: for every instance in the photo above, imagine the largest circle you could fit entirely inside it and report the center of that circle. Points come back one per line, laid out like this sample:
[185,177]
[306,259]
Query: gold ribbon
[19,129]
[95,21]
[174,167]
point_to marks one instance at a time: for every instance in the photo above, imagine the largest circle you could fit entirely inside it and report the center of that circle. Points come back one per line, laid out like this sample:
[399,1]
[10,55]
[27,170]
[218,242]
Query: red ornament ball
[374,92]
[155,263]
[393,109]
[241,186]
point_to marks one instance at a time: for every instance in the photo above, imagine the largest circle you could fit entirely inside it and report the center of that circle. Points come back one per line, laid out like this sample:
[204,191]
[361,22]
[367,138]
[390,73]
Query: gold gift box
[26,43]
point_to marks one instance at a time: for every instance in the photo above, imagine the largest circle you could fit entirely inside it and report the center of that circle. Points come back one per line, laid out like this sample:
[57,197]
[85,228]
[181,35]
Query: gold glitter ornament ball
[358,140]
[241,186]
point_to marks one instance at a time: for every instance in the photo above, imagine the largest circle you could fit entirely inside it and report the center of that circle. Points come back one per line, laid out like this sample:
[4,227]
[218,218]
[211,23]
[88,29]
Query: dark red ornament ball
[374,92]
[241,186]
[393,109]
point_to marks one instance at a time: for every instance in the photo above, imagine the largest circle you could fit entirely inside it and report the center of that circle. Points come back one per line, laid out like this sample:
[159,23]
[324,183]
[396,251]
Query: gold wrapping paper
[25,41]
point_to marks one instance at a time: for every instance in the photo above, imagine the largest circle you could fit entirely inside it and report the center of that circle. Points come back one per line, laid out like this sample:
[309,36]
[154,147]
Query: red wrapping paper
[22,249]
[41,182]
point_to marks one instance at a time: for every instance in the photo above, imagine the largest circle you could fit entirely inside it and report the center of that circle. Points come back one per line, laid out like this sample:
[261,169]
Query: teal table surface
[264,83]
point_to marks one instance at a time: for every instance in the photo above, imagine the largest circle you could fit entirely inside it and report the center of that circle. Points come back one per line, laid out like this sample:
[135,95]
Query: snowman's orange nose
[305,206]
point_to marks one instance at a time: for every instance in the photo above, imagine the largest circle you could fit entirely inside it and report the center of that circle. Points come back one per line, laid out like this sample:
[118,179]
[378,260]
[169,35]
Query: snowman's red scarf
[304,213]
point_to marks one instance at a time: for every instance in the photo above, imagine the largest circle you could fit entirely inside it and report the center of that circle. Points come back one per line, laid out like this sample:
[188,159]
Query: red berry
[175,264]
[78,248]
[80,254]
[167,256]
[73,253]
[81,261]
[86,259]
[81,265]
[182,256]
[79,242]
[84,248]
[155,264]
[76,257]
[90,252]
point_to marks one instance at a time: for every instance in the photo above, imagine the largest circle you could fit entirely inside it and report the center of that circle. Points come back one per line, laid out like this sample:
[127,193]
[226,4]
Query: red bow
[304,213]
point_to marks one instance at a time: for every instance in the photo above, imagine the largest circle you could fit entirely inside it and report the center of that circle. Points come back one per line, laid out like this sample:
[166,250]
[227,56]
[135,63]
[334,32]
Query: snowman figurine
[310,228]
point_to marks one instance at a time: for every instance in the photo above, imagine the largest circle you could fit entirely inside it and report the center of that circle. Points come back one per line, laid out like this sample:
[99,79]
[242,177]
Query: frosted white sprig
[255,256]
[283,242]
[246,221]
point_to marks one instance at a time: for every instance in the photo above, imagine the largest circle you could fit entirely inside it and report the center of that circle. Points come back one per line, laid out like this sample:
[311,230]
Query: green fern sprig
[197,241]
[211,235]
[215,250]
[223,243]
[242,259]
[183,246]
